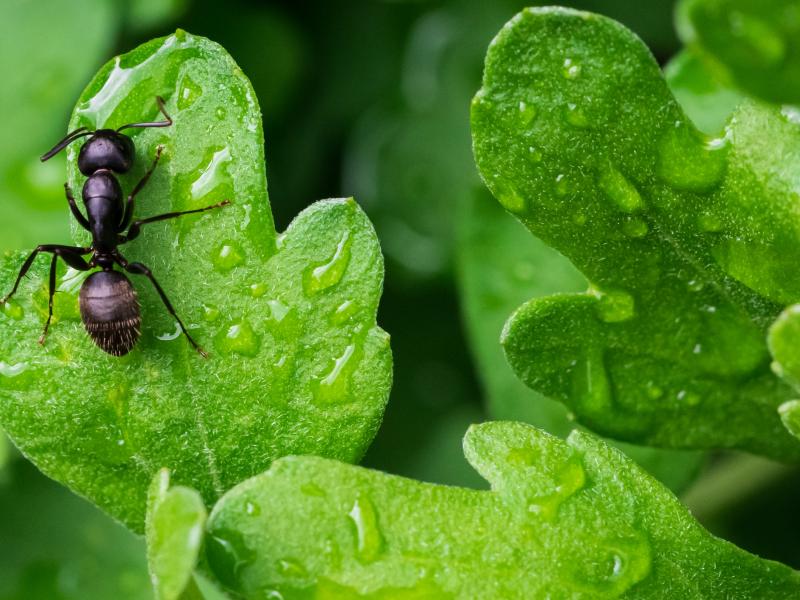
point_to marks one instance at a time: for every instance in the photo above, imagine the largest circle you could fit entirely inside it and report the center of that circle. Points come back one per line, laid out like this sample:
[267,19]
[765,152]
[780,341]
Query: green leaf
[297,364]
[686,241]
[755,44]
[563,519]
[175,520]
[708,101]
[784,345]
[40,81]
[501,265]
[56,546]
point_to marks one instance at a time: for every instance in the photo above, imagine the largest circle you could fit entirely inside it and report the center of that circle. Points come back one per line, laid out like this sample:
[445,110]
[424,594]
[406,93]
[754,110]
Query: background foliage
[362,98]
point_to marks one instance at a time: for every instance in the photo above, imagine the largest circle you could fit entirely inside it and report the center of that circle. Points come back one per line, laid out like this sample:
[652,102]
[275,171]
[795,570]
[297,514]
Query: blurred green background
[362,98]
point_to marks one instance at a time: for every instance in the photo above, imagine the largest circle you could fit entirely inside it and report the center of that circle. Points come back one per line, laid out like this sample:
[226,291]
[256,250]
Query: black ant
[108,301]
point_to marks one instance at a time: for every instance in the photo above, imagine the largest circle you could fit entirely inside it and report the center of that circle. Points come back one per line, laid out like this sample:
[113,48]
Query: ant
[109,304]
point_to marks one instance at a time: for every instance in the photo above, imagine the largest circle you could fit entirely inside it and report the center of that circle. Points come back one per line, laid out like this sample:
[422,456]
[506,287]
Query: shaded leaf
[685,240]
[297,364]
[176,517]
[563,519]
[753,44]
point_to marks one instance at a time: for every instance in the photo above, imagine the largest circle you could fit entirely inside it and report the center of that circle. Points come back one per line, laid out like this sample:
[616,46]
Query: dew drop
[211,176]
[220,113]
[527,113]
[695,285]
[344,312]
[334,386]
[569,479]
[312,489]
[188,92]
[562,187]
[277,310]
[689,161]
[227,256]
[654,392]
[635,228]
[575,116]
[291,569]
[228,556]
[590,383]
[572,69]
[791,113]
[7,370]
[579,218]
[170,335]
[324,275]
[238,337]
[622,563]
[510,198]
[709,223]
[615,306]
[369,542]
[13,309]
[534,155]
[258,289]
[210,313]
[252,509]
[621,191]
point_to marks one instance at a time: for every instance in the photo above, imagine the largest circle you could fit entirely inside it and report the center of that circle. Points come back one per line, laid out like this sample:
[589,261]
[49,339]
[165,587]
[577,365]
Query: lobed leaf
[753,44]
[573,519]
[297,364]
[176,517]
[685,240]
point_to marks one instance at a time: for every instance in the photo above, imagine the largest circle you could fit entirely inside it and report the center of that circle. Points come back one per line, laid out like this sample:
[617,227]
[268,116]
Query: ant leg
[165,123]
[128,214]
[134,230]
[73,260]
[74,252]
[140,269]
[74,208]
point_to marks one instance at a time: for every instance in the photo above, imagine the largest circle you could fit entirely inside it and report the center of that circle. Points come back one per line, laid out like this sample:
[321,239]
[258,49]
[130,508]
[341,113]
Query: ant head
[106,149]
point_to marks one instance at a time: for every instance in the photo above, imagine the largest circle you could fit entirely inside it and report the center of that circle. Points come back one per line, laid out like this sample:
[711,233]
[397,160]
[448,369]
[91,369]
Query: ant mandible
[109,304]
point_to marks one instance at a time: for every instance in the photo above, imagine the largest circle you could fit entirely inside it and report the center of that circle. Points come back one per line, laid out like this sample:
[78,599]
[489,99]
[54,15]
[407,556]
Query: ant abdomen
[110,311]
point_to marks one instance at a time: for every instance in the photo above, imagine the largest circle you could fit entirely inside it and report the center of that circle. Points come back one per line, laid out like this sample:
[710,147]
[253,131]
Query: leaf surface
[685,240]
[297,364]
[176,517]
[573,519]
[754,44]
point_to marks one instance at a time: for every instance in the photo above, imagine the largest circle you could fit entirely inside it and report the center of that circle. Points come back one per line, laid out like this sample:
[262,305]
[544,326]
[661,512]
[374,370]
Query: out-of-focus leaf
[297,364]
[707,101]
[686,241]
[47,51]
[754,44]
[174,526]
[56,546]
[142,15]
[573,519]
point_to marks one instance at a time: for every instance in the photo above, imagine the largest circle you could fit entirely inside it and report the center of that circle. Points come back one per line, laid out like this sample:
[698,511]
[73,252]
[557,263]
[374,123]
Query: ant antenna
[71,137]
[166,123]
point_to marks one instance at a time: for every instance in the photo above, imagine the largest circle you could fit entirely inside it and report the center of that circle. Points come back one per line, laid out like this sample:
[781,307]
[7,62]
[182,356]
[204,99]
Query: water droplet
[170,335]
[579,218]
[324,275]
[698,348]
[709,223]
[510,198]
[344,312]
[621,191]
[621,564]
[615,306]
[212,175]
[228,555]
[689,161]
[572,70]
[238,337]
[563,186]
[13,309]
[227,256]
[291,569]
[570,479]
[688,398]
[312,489]
[188,92]
[252,509]
[258,289]
[369,542]
[791,113]
[654,392]
[334,387]
[758,38]
[695,285]
[220,113]
[527,113]
[7,370]
[277,310]
[534,155]
[634,227]
[575,116]
[210,312]
[591,386]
